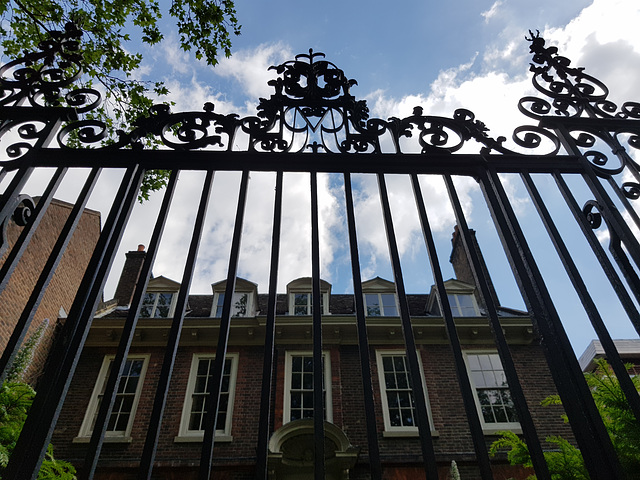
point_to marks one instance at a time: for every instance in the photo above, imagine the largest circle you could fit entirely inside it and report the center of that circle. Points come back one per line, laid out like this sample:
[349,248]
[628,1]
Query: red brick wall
[64,284]
[400,456]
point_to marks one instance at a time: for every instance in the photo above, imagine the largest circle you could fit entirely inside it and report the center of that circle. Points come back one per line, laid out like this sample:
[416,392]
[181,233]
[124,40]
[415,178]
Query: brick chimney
[129,276]
[462,264]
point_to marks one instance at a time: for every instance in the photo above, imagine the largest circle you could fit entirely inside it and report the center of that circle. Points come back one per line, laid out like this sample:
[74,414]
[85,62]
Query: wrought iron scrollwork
[311,110]
[20,209]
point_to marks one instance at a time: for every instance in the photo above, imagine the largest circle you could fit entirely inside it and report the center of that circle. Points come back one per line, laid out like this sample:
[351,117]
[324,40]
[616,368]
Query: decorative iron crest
[311,110]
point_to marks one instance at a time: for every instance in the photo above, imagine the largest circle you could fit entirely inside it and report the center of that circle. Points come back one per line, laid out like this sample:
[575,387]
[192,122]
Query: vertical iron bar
[624,200]
[38,428]
[162,388]
[212,401]
[424,429]
[524,416]
[592,437]
[22,325]
[92,454]
[583,293]
[623,295]
[616,224]
[316,306]
[25,236]
[7,206]
[269,342]
[363,342]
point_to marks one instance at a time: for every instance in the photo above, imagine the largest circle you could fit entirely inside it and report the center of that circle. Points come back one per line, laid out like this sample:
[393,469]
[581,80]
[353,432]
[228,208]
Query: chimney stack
[462,264]
[129,276]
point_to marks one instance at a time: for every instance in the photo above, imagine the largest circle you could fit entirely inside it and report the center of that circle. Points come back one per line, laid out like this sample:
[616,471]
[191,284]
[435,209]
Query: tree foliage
[16,398]
[108,60]
[566,462]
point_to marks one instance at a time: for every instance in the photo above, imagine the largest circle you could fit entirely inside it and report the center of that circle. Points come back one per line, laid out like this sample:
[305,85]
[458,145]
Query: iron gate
[312,123]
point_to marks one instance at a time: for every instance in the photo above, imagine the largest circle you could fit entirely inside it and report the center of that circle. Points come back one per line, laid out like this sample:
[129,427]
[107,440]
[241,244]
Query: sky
[440,55]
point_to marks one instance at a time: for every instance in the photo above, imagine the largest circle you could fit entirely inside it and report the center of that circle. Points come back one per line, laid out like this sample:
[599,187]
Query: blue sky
[440,55]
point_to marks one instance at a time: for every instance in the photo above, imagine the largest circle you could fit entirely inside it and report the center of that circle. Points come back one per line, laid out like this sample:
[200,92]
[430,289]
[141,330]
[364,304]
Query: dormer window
[160,298]
[301,299]
[239,304]
[243,301]
[381,304]
[380,298]
[461,298]
[156,305]
[463,305]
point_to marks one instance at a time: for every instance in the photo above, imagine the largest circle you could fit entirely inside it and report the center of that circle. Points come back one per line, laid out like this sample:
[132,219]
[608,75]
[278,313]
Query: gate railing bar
[27,232]
[24,321]
[593,440]
[599,252]
[401,163]
[468,393]
[168,362]
[624,200]
[587,301]
[38,428]
[316,305]
[269,342]
[422,415]
[618,230]
[212,401]
[375,467]
[9,200]
[94,448]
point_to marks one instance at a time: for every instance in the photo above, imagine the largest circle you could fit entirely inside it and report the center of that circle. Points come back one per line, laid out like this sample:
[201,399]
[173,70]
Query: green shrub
[566,463]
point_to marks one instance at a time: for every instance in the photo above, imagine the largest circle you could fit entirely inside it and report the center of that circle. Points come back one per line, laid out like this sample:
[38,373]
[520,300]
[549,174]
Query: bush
[567,463]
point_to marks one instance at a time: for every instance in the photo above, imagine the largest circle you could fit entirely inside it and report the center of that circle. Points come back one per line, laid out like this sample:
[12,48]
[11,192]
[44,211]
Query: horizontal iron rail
[454,164]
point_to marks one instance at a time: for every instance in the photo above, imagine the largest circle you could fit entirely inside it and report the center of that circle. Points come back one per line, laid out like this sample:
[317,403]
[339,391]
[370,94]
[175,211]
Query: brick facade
[64,284]
[235,457]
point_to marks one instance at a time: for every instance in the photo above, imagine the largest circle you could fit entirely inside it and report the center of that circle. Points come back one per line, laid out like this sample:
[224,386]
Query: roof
[627,348]
[199,306]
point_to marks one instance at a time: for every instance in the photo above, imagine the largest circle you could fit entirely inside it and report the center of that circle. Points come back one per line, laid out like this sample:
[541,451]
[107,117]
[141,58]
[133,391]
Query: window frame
[172,304]
[288,366]
[488,428]
[216,300]
[86,428]
[393,430]
[455,296]
[324,302]
[381,304]
[222,435]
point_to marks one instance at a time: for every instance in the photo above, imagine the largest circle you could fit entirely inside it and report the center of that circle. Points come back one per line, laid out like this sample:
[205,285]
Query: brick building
[62,289]
[291,441]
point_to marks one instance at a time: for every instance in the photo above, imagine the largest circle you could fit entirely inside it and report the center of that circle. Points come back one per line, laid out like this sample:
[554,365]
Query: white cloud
[493,11]
[251,67]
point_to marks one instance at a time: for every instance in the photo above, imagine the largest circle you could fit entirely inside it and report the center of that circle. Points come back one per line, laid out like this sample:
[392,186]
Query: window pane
[301,387]
[202,387]
[373,305]
[240,303]
[301,299]
[389,304]
[400,399]
[495,401]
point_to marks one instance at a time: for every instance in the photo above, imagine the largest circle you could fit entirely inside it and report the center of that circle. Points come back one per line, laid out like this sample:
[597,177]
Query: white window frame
[222,434]
[287,384]
[488,427]
[394,430]
[236,295]
[324,302]
[456,309]
[383,313]
[86,428]
[172,305]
